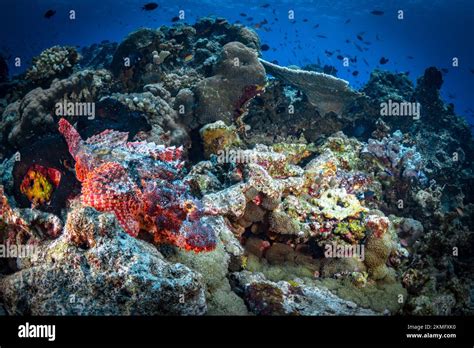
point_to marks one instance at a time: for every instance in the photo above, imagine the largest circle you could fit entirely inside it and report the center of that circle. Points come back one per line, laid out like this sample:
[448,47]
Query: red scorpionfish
[139,182]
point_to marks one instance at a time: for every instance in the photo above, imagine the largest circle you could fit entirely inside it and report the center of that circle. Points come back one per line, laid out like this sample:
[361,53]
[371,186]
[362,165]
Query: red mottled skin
[138,182]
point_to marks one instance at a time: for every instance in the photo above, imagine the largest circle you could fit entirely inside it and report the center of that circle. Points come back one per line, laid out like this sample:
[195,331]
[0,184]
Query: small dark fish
[360,37]
[383,60]
[360,129]
[377,13]
[355,73]
[358,47]
[49,14]
[150,6]
[347,21]
[348,41]
[243,14]
[340,57]
[275,61]
[353,60]
[388,172]
[369,194]
[328,53]
[322,36]
[367,42]
[265,5]
[250,19]
[377,37]
[264,47]
[472,71]
[316,26]
[175,19]
[409,57]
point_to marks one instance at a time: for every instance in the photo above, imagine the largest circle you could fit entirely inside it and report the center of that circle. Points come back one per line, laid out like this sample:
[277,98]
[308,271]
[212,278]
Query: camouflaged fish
[139,182]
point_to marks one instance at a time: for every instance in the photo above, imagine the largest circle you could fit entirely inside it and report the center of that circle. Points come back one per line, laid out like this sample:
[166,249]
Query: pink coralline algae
[140,183]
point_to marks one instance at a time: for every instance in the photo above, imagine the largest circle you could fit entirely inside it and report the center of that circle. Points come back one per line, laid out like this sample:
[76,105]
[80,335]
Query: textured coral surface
[210,181]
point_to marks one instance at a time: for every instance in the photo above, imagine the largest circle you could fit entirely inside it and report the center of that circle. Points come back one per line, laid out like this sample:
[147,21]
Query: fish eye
[189,206]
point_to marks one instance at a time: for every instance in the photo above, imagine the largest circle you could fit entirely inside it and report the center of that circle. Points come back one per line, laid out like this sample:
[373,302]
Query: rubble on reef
[210,181]
[290,298]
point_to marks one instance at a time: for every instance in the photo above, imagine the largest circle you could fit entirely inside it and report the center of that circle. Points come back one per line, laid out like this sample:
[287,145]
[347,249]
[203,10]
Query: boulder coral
[238,77]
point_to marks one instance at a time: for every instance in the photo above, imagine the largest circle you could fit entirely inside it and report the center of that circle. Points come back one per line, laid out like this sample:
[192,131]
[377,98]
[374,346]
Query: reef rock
[114,275]
[213,266]
[264,297]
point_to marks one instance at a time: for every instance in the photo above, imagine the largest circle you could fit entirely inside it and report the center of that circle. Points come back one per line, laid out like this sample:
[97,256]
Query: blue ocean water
[431,33]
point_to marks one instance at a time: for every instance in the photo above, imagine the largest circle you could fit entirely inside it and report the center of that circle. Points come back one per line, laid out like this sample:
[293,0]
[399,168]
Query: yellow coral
[39,189]
[217,137]
[293,152]
[337,204]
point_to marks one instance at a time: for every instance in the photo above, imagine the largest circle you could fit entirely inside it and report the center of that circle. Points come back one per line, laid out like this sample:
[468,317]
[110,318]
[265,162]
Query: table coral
[327,93]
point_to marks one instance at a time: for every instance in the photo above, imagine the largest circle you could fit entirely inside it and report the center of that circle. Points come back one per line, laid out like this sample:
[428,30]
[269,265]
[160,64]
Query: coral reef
[54,62]
[98,56]
[213,267]
[218,137]
[251,188]
[117,275]
[326,92]
[238,78]
[284,298]
[32,116]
